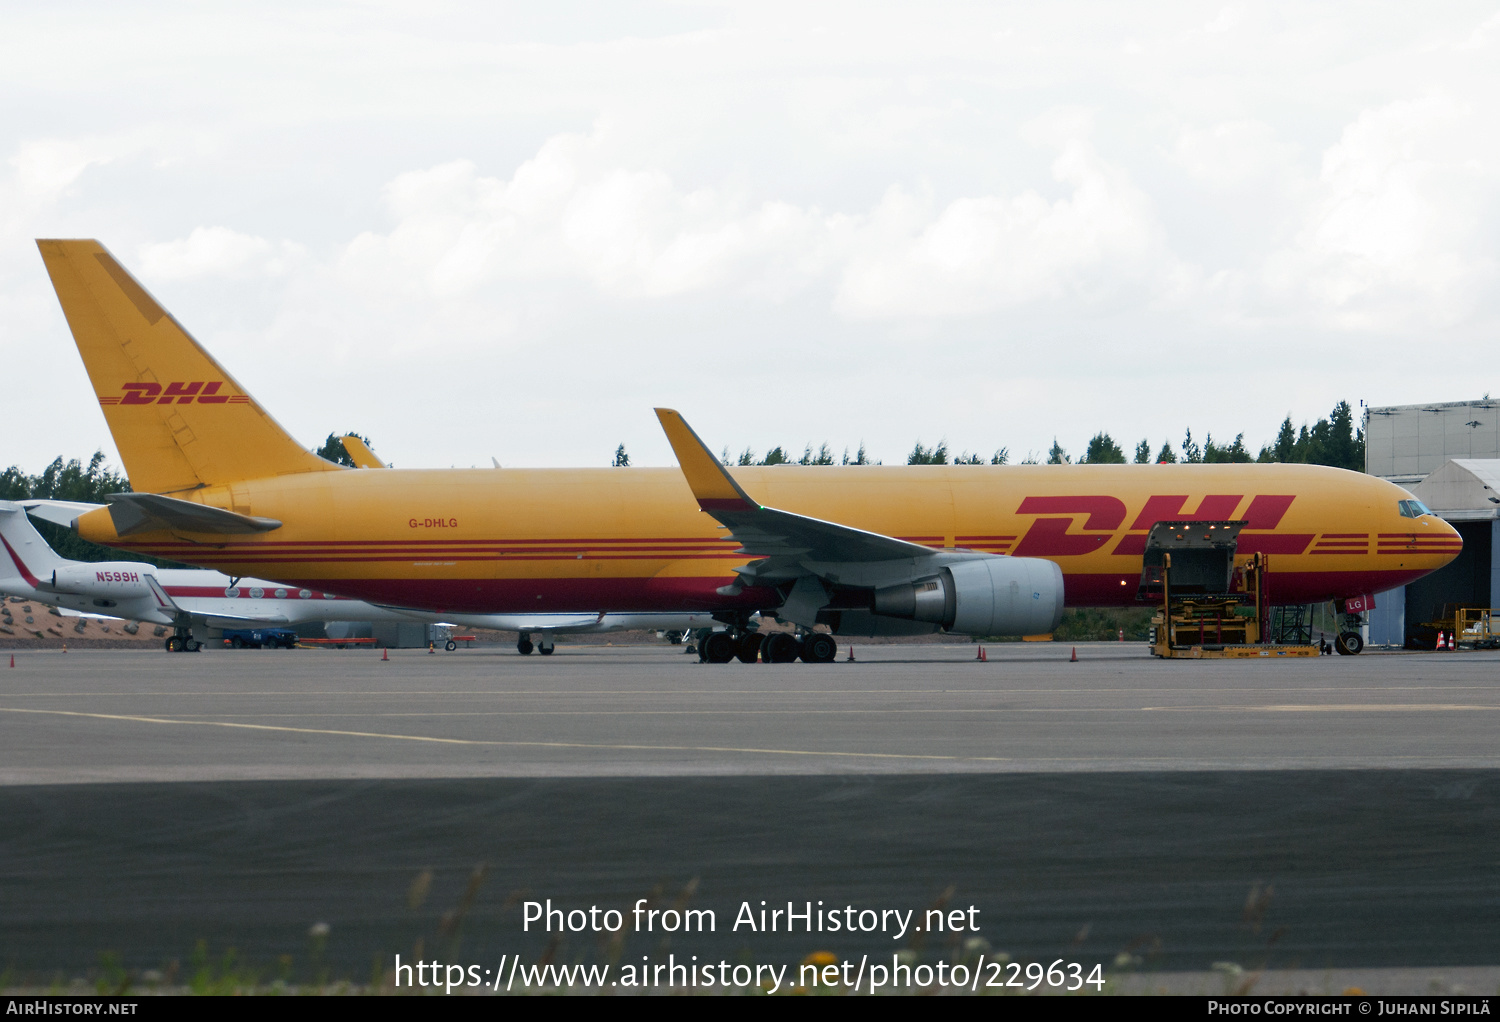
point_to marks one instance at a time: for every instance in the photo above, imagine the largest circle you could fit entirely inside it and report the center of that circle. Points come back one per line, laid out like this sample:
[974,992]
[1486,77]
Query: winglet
[360,453]
[710,482]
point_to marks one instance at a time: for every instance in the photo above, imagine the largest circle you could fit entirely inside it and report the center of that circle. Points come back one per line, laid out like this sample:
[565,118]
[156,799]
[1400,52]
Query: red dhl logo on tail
[179,393]
[117,576]
[1051,537]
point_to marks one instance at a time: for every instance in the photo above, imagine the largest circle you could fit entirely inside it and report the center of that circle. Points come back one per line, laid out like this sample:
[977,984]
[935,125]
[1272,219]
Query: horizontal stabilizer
[149,512]
[58,512]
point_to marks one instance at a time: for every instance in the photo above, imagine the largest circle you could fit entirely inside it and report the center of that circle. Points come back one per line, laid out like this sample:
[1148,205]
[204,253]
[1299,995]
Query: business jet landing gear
[543,644]
[182,641]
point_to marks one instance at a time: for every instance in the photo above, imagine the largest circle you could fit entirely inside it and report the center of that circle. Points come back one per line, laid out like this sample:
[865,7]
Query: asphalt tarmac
[1331,813]
[632,711]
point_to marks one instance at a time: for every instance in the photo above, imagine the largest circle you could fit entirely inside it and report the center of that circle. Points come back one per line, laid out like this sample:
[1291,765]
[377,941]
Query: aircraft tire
[747,647]
[1349,643]
[819,649]
[524,647]
[717,648]
[545,650]
[174,645]
[192,645]
[450,645]
[780,648]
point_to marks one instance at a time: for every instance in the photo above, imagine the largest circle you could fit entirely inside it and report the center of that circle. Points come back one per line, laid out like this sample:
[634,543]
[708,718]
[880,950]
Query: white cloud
[216,252]
[763,198]
[1402,229]
[988,252]
[1235,155]
[634,233]
[46,168]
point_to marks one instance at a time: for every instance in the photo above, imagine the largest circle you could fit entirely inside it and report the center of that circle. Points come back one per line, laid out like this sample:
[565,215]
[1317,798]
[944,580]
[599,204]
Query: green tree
[1286,442]
[1001,457]
[1332,441]
[928,456]
[1143,453]
[1058,456]
[860,458]
[1166,456]
[1235,452]
[71,480]
[1103,450]
[776,456]
[1190,451]
[622,460]
[333,449]
[823,457]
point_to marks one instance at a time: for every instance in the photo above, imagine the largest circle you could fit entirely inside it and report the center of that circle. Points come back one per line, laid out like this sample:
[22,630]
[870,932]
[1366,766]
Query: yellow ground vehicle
[1213,601]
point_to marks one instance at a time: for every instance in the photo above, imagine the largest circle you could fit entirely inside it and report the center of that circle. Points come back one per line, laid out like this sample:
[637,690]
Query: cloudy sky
[509,230]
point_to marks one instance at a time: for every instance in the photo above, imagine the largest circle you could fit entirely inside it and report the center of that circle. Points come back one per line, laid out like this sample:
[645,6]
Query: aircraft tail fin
[179,420]
[24,554]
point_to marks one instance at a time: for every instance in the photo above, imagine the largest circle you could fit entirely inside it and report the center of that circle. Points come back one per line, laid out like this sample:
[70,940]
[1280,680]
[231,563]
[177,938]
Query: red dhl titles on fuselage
[518,540]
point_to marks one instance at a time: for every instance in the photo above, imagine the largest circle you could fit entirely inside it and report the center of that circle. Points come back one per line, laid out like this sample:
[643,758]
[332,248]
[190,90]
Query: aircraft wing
[237,621]
[765,531]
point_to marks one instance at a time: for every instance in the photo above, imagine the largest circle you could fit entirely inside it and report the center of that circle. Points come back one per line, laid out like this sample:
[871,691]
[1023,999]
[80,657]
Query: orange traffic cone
[850,658]
[65,647]
[978,652]
[13,660]
[1074,658]
[385,654]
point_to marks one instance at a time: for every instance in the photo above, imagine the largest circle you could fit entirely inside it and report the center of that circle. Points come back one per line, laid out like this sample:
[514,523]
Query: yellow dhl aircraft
[864,550]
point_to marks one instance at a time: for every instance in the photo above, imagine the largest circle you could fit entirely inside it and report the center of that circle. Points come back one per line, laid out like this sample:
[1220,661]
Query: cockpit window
[1414,509]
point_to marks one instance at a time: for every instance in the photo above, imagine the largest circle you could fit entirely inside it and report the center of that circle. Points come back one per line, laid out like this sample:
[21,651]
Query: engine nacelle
[982,596]
[112,580]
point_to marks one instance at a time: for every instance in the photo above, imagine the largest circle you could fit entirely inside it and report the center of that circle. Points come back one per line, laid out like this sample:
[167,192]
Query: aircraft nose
[1448,535]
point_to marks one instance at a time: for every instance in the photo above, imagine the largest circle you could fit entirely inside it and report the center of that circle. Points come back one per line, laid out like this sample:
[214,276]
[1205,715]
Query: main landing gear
[182,641]
[543,644]
[771,648]
[1350,641]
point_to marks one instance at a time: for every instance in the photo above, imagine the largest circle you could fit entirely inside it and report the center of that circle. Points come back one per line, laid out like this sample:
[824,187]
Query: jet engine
[982,596]
[114,580]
